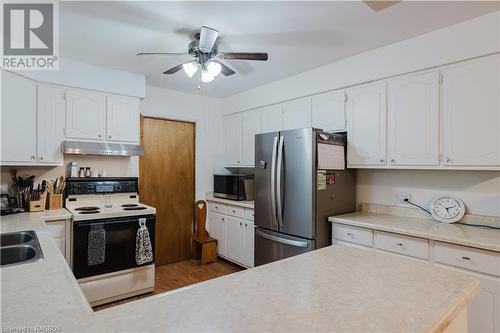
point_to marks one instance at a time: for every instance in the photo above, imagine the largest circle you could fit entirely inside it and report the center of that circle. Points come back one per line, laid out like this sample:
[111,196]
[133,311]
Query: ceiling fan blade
[161,53]
[173,70]
[379,5]
[261,56]
[225,70]
[207,39]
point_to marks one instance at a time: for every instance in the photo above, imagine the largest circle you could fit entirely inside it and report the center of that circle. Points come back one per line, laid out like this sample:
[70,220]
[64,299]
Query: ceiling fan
[206,56]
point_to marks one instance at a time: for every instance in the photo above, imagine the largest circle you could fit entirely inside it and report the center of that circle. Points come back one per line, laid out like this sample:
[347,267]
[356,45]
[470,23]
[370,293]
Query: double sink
[19,247]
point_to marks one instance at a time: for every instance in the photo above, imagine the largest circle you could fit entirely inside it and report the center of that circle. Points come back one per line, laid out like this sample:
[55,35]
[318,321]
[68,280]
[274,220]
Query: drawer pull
[465,258]
[350,235]
[233,211]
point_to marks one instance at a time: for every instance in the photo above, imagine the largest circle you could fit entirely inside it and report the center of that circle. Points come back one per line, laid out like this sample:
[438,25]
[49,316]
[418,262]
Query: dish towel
[143,248]
[96,246]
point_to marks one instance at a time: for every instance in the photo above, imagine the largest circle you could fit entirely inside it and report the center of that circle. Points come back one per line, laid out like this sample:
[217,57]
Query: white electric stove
[112,204]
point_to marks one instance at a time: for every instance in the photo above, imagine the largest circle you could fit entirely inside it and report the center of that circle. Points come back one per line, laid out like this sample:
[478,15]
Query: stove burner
[135,208]
[87,208]
[89,212]
[130,205]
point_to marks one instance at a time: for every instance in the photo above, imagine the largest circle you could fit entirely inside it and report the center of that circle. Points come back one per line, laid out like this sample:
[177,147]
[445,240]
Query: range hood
[101,148]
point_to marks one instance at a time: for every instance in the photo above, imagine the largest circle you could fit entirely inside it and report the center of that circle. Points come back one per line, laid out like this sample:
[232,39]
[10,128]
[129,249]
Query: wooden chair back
[200,218]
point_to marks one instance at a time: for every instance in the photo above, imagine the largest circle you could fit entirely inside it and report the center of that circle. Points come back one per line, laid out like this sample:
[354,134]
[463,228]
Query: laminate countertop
[244,204]
[487,239]
[336,288]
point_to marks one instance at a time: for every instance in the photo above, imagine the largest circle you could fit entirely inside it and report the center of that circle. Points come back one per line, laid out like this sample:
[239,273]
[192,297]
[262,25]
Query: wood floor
[181,274]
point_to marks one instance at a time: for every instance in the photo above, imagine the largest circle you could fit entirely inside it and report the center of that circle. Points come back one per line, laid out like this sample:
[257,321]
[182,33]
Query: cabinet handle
[41,158]
[350,235]
[448,160]
[33,157]
[246,225]
[241,223]
[109,136]
[381,161]
[99,135]
[466,258]
[222,219]
[393,161]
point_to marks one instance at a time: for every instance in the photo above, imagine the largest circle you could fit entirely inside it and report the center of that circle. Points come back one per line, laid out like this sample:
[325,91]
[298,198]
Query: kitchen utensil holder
[38,205]
[55,201]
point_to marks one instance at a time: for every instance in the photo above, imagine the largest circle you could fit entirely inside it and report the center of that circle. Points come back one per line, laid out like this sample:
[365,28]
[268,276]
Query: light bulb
[214,68]
[206,76]
[190,68]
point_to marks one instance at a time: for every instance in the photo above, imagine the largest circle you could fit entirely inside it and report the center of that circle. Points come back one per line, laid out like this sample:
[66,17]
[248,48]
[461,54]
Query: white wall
[77,74]
[472,38]
[205,111]
[480,190]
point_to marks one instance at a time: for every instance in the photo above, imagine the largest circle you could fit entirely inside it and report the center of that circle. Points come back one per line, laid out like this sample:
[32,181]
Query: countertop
[487,239]
[246,204]
[336,288]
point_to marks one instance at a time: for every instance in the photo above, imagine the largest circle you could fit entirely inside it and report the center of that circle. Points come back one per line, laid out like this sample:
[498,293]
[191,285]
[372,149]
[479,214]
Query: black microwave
[234,187]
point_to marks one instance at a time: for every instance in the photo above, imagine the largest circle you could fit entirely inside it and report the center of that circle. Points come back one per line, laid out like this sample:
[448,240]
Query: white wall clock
[447,209]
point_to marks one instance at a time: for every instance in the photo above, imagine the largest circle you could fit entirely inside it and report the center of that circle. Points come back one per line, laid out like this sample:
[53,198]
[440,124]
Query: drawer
[217,207]
[249,214]
[61,244]
[482,261]
[235,211]
[57,228]
[407,245]
[355,235]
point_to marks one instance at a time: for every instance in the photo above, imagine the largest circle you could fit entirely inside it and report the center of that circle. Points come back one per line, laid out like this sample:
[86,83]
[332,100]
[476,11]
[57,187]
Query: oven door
[120,244]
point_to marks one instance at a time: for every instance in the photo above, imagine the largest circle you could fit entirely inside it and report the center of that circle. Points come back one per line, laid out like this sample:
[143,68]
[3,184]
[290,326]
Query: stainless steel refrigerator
[291,211]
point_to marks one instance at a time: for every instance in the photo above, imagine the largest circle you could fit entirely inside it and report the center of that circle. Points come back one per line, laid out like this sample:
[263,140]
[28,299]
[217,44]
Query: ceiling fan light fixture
[206,76]
[190,68]
[214,68]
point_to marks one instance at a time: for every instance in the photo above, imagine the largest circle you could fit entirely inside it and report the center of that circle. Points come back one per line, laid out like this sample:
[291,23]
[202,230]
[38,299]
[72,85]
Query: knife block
[38,205]
[55,201]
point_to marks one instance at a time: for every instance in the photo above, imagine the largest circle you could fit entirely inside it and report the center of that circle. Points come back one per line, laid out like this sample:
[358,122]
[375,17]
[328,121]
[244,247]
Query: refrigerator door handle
[273,181]
[281,240]
[279,181]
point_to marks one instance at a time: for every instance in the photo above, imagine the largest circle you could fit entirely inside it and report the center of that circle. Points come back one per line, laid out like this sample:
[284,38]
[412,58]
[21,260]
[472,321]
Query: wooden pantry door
[166,178]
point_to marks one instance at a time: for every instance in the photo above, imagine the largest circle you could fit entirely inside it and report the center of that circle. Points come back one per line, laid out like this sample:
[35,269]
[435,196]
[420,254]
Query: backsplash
[114,166]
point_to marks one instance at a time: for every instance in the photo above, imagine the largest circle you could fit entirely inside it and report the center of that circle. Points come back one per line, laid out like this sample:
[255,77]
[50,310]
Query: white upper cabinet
[471,93]
[297,113]
[50,124]
[413,120]
[85,114]
[122,118]
[272,118]
[232,139]
[328,111]
[366,125]
[18,119]
[250,122]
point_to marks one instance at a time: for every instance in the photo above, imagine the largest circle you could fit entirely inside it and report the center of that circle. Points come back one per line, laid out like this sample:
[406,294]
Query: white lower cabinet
[234,231]
[483,309]
[60,230]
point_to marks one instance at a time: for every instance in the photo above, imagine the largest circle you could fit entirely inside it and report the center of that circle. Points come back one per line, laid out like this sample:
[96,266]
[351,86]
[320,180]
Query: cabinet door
[50,124]
[217,231]
[122,118]
[232,137]
[234,238]
[18,119]
[366,125]
[472,113]
[250,127]
[328,111]
[413,120]
[297,113]
[484,308]
[272,118]
[248,247]
[85,114]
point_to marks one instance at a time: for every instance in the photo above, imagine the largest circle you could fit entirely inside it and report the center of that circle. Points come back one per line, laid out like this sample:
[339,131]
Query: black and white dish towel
[143,248]
[96,246]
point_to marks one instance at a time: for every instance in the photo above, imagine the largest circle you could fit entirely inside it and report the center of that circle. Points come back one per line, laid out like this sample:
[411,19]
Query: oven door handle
[82,224]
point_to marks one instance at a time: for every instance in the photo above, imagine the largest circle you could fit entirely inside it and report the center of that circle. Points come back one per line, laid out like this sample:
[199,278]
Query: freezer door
[295,182]
[271,246]
[265,180]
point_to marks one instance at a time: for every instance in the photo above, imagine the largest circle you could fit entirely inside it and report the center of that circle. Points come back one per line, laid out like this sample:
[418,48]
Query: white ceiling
[298,36]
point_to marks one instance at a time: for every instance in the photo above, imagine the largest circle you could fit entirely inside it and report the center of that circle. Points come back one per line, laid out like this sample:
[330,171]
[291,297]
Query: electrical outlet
[403,196]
